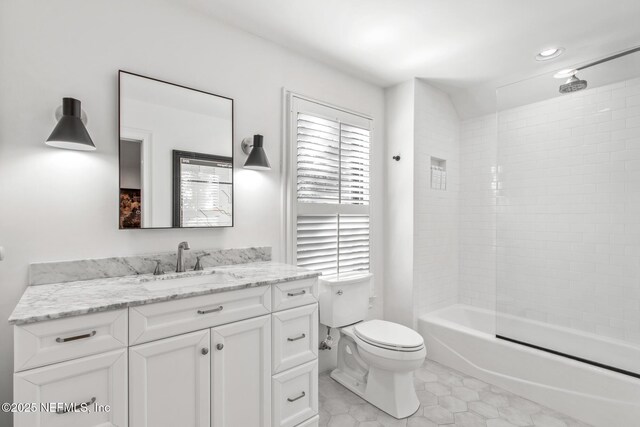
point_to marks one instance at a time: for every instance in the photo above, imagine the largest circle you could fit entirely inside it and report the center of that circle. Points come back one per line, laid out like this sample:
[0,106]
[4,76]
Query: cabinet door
[169,382]
[241,373]
[82,388]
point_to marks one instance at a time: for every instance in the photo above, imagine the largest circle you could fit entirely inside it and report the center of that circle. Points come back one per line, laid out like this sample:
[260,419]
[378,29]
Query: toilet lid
[388,334]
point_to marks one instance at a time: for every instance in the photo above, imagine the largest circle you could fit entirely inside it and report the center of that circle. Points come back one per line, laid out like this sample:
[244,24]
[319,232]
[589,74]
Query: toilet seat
[389,336]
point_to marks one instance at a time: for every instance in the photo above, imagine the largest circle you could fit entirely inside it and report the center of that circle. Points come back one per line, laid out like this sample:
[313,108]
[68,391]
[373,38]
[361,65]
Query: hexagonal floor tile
[437,388]
[453,404]
[494,399]
[342,420]
[524,405]
[364,412]
[483,409]
[335,406]
[420,422]
[474,384]
[515,416]
[465,394]
[448,399]
[544,420]
[438,414]
[425,376]
[388,421]
[469,419]
[499,422]
[427,398]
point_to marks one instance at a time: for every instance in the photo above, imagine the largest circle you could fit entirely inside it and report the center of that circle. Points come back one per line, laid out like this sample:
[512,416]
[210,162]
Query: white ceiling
[466,47]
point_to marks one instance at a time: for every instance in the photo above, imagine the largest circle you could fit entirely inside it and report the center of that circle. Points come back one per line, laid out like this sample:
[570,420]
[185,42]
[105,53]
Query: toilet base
[392,392]
[349,382]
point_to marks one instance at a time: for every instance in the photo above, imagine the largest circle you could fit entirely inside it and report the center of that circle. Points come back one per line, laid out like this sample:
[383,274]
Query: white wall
[59,204]
[421,223]
[437,134]
[399,203]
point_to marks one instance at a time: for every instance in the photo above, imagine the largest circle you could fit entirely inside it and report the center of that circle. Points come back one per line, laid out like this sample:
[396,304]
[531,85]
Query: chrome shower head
[574,84]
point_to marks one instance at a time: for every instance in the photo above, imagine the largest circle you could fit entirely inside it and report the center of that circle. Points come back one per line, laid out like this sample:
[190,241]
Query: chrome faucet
[180,264]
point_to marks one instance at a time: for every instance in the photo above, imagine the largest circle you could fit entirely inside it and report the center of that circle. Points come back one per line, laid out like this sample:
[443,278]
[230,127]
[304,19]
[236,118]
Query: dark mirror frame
[173,198]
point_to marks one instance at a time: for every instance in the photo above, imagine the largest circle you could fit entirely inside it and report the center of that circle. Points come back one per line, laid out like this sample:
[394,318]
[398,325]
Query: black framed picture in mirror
[202,190]
[175,155]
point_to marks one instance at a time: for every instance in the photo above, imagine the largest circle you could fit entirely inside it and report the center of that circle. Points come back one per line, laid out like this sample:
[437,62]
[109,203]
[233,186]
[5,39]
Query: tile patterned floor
[447,397]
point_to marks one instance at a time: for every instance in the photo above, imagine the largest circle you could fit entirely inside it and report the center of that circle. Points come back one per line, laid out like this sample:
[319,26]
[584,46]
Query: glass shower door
[568,214]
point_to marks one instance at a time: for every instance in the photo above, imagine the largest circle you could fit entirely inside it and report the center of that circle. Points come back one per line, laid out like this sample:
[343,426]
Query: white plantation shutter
[331,191]
[317,242]
[353,243]
[333,244]
[318,160]
[354,165]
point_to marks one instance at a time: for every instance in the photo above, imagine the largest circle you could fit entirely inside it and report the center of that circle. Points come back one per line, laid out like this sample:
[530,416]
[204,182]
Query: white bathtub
[463,337]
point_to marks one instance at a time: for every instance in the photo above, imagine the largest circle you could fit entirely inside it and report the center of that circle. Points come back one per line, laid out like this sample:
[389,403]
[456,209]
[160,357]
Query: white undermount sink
[182,282]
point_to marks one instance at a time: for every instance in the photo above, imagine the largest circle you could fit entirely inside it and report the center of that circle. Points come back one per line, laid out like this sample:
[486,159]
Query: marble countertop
[60,300]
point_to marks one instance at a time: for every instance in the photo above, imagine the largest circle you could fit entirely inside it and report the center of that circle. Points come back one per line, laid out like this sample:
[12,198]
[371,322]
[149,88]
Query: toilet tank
[344,301]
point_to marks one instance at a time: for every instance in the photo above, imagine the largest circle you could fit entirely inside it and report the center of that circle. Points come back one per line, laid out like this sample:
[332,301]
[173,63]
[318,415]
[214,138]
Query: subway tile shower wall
[568,218]
[477,211]
[436,269]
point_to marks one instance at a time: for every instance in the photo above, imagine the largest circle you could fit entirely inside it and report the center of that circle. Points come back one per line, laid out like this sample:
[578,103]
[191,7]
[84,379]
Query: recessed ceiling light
[547,54]
[563,74]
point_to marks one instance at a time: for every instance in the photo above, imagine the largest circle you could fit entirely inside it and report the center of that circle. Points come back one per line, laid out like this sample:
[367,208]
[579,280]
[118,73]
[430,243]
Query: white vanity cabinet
[169,381]
[241,373]
[236,358]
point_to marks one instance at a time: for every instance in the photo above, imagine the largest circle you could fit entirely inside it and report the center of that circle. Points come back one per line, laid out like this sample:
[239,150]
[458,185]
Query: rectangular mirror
[176,155]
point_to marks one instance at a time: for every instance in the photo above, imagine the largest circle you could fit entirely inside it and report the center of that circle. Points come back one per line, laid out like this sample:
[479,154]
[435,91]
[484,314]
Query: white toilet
[376,358]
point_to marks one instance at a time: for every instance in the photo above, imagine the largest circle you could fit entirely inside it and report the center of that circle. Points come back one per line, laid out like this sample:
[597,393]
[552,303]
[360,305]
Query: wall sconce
[70,132]
[257,157]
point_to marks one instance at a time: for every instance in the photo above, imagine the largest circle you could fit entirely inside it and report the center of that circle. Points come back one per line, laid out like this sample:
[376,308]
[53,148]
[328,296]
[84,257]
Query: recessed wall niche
[438,174]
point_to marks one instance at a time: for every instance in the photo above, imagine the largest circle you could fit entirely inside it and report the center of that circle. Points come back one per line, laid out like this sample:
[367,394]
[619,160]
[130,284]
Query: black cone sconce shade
[257,157]
[70,132]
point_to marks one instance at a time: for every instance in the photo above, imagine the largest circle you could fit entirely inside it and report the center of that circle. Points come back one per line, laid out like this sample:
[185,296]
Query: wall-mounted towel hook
[396,157]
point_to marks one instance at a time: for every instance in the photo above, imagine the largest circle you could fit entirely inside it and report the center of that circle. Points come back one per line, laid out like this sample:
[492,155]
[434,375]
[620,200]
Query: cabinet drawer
[53,341]
[93,380]
[311,422]
[295,395]
[295,337]
[294,294]
[165,319]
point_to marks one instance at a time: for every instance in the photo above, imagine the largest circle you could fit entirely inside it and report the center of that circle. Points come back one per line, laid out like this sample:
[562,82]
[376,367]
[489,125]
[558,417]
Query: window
[329,188]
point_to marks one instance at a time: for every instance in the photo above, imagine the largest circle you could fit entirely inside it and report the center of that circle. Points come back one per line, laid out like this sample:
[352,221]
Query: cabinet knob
[205,351]
[340,292]
[220,346]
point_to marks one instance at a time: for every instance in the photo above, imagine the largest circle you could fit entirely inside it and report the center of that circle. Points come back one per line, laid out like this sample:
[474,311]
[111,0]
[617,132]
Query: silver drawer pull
[77,407]
[297,398]
[213,310]
[295,294]
[77,337]
[296,338]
